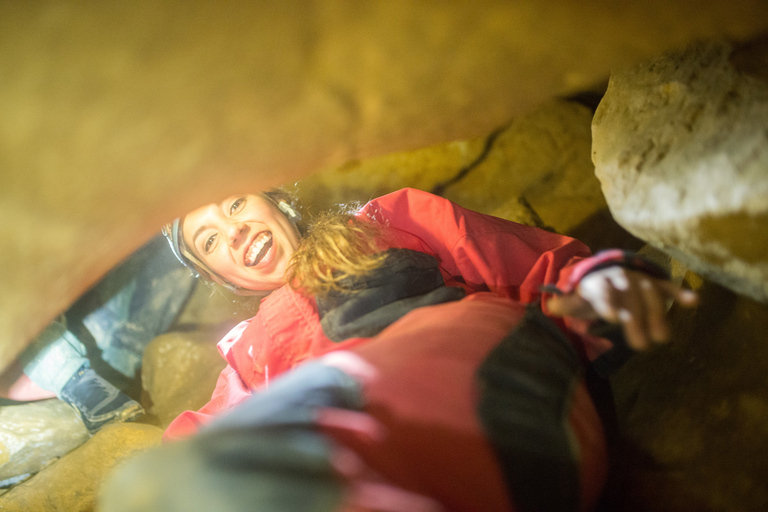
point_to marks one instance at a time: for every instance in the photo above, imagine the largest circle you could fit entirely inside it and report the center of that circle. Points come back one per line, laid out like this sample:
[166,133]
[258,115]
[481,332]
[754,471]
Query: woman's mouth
[258,249]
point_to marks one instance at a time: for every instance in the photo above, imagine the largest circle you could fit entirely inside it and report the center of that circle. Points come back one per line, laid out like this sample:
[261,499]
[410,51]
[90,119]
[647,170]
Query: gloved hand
[633,299]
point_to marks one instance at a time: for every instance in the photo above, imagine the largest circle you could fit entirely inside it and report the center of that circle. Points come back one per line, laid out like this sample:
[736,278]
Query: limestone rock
[681,150]
[35,434]
[213,306]
[360,181]
[179,372]
[536,171]
[71,483]
[539,162]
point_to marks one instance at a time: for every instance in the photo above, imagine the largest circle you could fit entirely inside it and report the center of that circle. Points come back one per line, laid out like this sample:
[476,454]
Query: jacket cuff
[605,259]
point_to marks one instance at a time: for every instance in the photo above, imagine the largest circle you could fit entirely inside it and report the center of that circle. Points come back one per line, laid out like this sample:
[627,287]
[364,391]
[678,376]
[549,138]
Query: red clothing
[419,436]
[474,251]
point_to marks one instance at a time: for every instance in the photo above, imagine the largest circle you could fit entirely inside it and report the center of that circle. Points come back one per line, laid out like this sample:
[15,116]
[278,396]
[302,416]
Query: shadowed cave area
[649,134]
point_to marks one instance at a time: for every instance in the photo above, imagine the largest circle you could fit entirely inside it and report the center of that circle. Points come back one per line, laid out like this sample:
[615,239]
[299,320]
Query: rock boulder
[680,145]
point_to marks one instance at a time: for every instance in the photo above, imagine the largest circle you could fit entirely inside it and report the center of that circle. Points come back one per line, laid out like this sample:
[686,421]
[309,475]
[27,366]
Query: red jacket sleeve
[481,251]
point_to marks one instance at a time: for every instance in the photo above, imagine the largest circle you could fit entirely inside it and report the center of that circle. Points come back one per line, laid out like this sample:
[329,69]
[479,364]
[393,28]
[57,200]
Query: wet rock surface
[540,160]
[534,170]
[72,483]
[179,373]
[681,150]
[35,434]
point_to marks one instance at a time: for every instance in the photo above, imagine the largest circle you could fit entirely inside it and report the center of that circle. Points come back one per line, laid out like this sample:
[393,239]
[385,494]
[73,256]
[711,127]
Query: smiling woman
[244,242]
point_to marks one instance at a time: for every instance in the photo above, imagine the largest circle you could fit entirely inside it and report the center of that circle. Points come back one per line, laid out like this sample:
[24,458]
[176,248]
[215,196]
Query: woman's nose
[236,233]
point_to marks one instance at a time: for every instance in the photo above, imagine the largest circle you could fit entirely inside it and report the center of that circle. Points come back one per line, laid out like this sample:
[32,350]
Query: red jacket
[476,252]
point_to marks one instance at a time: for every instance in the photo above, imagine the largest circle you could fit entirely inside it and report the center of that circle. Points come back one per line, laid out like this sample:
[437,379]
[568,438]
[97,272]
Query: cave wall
[117,116]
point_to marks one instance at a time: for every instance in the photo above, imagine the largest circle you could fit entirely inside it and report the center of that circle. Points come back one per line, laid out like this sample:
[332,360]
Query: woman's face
[244,239]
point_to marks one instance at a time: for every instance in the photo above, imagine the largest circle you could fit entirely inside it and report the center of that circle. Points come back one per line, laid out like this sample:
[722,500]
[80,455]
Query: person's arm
[481,251]
[635,299]
[527,264]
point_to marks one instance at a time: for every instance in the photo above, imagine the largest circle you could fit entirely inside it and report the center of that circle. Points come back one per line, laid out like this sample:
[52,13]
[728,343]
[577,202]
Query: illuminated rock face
[680,145]
[535,170]
[35,434]
[179,372]
[72,482]
[115,119]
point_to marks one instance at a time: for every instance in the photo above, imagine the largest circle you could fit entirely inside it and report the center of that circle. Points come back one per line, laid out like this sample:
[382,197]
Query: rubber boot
[98,401]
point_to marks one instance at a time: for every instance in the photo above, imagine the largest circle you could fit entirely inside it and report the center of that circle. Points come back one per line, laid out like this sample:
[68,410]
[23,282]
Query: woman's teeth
[258,249]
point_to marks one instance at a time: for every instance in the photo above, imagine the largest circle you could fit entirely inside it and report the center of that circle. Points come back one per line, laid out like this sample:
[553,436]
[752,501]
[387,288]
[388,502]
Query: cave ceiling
[118,116]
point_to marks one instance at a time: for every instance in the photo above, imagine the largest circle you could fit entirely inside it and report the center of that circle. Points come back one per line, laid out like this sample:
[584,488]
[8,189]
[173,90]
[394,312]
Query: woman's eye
[236,205]
[209,243]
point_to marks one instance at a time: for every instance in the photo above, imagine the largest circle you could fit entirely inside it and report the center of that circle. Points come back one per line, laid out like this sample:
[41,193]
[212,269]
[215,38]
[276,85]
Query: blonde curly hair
[336,246]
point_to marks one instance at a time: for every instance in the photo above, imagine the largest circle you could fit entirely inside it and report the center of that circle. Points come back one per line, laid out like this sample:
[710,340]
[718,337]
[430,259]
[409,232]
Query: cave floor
[693,414]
